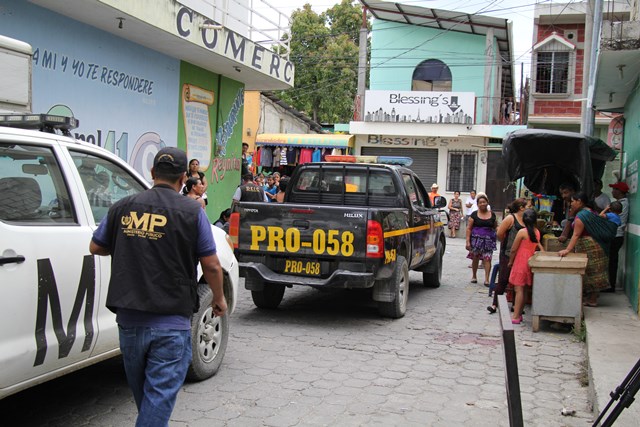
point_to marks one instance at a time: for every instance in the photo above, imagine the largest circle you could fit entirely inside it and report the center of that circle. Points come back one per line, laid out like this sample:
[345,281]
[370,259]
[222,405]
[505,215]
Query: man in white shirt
[600,199]
[471,204]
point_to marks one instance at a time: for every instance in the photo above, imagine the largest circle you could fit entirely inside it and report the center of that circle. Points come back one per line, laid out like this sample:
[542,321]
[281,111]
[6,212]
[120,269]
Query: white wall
[276,119]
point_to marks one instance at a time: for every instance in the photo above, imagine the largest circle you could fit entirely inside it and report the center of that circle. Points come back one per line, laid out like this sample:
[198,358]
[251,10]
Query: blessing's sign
[419,107]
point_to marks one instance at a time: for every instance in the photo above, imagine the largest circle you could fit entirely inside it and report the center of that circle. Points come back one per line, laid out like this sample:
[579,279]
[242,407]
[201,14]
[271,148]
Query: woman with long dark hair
[507,231]
[194,172]
[194,188]
[481,238]
[592,235]
[524,246]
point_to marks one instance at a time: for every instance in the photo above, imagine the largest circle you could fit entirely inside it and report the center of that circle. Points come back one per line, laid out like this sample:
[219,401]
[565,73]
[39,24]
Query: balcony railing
[257,20]
[620,35]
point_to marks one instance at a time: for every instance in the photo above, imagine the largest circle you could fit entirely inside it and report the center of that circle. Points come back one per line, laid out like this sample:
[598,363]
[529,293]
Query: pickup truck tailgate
[295,230]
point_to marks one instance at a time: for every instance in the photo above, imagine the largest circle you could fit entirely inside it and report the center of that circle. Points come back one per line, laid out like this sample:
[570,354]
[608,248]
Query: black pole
[625,392]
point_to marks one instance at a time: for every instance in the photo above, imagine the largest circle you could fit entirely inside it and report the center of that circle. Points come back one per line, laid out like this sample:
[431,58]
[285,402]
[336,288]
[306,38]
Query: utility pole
[362,69]
[587,124]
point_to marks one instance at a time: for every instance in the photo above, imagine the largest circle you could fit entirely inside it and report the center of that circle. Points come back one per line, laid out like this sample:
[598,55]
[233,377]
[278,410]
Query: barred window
[461,174]
[552,72]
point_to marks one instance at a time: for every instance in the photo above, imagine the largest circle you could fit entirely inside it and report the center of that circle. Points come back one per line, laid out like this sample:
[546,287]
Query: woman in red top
[524,246]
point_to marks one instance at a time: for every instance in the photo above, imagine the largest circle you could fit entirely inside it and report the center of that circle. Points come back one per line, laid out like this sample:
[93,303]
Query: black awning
[547,158]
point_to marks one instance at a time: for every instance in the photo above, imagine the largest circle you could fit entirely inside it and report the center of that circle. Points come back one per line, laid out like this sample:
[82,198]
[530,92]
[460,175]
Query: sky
[518,11]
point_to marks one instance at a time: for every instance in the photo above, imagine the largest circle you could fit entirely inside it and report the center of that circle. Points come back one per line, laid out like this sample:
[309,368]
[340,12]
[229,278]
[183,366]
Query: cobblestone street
[327,358]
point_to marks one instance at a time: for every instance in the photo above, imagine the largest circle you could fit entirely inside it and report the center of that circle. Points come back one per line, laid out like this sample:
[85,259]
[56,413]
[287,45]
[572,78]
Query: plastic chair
[492,281]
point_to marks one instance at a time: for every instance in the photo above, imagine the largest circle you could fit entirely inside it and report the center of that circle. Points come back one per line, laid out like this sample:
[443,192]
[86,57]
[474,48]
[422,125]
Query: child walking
[525,244]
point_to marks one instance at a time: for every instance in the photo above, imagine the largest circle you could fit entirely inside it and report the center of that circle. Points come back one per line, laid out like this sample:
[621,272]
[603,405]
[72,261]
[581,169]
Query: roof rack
[43,122]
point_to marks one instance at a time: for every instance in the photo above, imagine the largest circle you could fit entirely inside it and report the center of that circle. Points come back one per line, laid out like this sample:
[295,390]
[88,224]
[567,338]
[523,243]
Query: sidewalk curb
[613,348]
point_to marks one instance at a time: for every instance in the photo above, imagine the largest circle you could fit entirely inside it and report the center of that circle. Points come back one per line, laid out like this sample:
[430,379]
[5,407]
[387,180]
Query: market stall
[547,158]
[283,151]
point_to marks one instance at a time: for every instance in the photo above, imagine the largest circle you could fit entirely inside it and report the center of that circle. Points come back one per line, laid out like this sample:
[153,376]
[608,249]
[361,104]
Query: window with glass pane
[411,190]
[104,182]
[552,72]
[32,190]
[462,171]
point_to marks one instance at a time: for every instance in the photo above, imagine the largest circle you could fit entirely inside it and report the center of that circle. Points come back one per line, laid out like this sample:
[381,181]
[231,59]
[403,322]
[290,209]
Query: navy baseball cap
[173,160]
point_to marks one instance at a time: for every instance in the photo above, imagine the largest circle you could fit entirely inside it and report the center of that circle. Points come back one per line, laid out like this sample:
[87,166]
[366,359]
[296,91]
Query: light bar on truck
[385,160]
[41,122]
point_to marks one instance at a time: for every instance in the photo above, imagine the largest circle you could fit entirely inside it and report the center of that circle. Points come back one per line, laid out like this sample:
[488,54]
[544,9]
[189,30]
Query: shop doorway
[499,190]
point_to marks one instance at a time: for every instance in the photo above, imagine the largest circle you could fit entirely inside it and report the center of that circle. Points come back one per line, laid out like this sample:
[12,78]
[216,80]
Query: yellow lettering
[319,241]
[287,266]
[141,223]
[292,239]
[390,256]
[347,243]
[157,221]
[258,234]
[276,238]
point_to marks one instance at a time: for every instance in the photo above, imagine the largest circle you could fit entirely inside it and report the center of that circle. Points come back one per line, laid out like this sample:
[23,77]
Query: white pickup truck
[54,190]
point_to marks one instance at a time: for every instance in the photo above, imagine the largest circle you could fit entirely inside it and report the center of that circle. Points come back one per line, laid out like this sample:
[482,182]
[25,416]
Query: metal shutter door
[425,161]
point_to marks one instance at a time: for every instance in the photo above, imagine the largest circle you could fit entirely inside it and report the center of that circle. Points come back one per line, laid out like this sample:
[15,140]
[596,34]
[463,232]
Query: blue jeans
[156,363]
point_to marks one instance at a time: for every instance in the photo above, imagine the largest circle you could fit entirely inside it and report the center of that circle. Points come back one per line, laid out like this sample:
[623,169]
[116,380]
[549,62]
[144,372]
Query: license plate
[308,268]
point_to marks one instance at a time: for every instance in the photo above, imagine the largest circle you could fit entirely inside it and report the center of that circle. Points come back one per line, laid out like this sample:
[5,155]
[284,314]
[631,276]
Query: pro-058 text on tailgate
[321,242]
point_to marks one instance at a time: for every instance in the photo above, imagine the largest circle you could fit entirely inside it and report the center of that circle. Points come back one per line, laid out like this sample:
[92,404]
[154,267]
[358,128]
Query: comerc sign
[193,27]
[187,24]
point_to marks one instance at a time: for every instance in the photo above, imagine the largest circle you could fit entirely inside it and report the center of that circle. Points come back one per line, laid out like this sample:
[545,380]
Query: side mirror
[441,202]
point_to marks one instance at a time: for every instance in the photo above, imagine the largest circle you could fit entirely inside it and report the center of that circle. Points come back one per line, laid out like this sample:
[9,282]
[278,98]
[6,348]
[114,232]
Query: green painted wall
[632,158]
[396,49]
[210,129]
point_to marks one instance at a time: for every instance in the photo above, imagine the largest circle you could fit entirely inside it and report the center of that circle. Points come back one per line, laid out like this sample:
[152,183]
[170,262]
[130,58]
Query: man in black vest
[249,191]
[155,238]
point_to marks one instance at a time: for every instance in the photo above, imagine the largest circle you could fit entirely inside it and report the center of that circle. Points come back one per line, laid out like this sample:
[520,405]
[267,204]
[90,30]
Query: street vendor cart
[548,158]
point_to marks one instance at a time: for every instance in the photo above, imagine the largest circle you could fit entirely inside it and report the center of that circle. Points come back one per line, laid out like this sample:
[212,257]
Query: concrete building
[441,92]
[559,64]
[151,73]
[617,90]
[274,126]
[264,113]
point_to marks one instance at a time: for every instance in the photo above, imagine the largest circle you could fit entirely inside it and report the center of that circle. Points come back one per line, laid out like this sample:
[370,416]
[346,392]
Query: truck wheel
[209,336]
[433,277]
[269,297]
[399,282]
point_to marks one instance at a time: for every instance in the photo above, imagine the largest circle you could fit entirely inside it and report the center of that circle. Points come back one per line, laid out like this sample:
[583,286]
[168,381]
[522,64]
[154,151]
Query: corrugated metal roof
[447,20]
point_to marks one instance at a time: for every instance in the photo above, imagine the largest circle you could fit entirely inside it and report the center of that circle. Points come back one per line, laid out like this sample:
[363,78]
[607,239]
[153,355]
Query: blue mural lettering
[82,69]
[226,130]
[119,147]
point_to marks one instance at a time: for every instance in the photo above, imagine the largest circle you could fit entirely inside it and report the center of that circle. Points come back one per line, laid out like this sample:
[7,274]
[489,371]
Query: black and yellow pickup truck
[343,225]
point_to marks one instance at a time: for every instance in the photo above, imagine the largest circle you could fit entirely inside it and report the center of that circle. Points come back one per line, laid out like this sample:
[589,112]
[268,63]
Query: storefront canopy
[546,159]
[321,140]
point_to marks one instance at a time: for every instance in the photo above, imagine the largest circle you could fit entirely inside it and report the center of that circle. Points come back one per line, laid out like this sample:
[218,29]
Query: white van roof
[15,45]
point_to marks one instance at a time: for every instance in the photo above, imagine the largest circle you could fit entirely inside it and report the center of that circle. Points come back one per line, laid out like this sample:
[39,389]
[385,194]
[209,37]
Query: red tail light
[375,240]
[234,228]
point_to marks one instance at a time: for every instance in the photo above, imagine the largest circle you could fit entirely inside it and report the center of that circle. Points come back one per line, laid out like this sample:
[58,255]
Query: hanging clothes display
[305,156]
[276,157]
[282,152]
[292,156]
[266,158]
[256,158]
